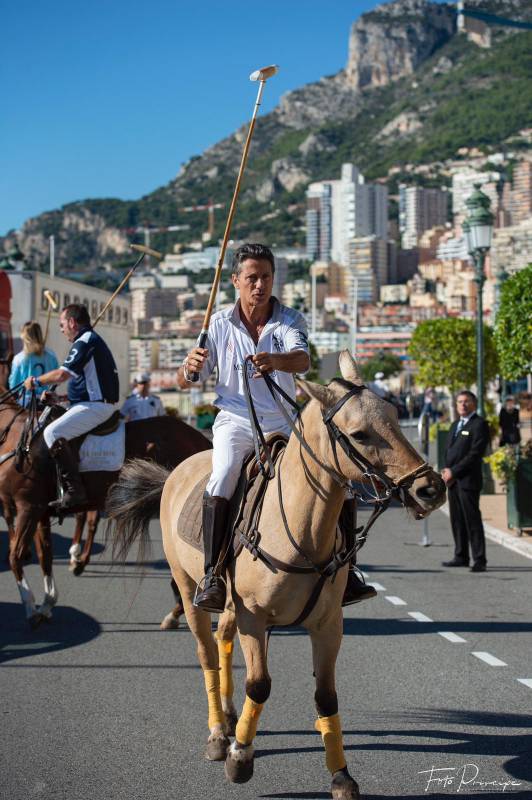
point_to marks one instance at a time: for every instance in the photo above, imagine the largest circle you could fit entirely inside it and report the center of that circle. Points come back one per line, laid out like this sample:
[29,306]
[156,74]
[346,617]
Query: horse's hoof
[36,620]
[239,763]
[343,786]
[169,623]
[231,719]
[78,568]
[217,748]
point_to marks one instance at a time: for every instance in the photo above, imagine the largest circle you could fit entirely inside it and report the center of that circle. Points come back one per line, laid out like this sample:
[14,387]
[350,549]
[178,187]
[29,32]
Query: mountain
[414,91]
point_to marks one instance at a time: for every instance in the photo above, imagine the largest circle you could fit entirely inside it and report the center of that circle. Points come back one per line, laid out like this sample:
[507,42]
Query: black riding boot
[356,590]
[74,492]
[212,597]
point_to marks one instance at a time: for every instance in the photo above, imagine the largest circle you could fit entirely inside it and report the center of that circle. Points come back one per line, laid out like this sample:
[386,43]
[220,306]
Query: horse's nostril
[427,492]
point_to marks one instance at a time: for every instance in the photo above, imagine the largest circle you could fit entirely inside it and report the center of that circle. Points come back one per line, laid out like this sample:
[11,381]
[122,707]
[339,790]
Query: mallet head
[264,73]
[52,302]
[141,248]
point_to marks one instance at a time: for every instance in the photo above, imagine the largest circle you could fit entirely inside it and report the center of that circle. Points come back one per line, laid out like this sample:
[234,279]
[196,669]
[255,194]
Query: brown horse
[167,443]
[297,527]
[26,489]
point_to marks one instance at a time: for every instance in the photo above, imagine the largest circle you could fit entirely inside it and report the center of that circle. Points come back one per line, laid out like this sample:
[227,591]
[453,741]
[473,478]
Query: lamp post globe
[478,228]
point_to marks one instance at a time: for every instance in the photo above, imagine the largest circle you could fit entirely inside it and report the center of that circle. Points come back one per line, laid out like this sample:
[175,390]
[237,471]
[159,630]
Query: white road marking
[526,682]
[378,586]
[417,615]
[489,659]
[451,637]
[396,601]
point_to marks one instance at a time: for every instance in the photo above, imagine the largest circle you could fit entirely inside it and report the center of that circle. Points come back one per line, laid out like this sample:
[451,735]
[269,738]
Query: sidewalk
[493,509]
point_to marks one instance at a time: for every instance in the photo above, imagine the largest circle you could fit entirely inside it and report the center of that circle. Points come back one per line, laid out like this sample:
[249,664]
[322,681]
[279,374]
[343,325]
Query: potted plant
[513,467]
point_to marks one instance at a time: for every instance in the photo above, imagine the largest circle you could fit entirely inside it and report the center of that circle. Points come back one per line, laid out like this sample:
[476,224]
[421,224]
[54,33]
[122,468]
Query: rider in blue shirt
[93,392]
[33,359]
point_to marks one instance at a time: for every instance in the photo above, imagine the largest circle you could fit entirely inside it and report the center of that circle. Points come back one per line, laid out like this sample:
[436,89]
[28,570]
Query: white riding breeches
[80,418]
[232,442]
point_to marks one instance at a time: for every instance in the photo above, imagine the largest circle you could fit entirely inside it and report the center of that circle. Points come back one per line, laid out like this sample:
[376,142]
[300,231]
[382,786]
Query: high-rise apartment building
[341,210]
[419,210]
[367,264]
[463,187]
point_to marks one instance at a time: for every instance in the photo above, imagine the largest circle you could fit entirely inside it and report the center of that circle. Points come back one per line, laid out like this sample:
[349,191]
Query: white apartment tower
[419,210]
[341,210]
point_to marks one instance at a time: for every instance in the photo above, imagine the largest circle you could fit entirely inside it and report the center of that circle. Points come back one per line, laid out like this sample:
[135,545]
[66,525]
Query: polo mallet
[144,251]
[53,305]
[262,76]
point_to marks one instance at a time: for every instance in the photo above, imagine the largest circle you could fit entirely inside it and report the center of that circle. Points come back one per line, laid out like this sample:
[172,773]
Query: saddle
[244,507]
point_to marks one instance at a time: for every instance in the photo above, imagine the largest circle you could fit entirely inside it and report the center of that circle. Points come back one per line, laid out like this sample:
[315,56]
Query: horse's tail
[132,502]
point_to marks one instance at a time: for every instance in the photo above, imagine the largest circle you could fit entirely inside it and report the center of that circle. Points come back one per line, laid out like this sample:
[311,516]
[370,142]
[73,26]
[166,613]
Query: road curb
[501,537]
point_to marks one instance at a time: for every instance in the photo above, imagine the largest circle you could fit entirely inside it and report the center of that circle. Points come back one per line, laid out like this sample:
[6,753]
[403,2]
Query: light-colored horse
[312,497]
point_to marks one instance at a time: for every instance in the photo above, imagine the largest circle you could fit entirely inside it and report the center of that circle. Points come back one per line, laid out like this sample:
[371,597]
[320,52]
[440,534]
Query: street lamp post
[478,228]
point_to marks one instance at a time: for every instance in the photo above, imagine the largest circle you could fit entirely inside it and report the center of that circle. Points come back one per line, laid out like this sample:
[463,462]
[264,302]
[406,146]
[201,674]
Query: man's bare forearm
[295,361]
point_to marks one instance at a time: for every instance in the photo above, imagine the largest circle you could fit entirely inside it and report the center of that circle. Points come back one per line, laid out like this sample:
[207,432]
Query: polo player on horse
[93,393]
[275,338]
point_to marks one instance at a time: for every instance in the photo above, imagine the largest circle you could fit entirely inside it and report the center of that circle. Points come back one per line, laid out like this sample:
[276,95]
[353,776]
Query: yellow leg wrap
[225,656]
[212,686]
[249,719]
[331,733]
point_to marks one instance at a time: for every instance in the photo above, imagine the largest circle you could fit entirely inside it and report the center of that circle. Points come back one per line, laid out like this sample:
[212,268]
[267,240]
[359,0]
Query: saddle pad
[189,523]
[189,527]
[103,453]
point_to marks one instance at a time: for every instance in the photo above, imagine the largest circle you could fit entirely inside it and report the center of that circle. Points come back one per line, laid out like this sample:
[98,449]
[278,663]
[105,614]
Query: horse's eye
[360,436]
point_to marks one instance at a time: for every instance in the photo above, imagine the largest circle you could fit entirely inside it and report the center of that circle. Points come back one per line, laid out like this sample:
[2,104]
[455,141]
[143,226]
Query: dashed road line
[378,587]
[419,617]
[489,659]
[451,637]
[395,601]
[526,682]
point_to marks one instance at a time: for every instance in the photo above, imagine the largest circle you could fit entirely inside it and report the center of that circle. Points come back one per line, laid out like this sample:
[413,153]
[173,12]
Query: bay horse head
[361,440]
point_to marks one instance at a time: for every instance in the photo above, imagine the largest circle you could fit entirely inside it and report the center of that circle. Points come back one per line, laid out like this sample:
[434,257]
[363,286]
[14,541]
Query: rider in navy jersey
[93,393]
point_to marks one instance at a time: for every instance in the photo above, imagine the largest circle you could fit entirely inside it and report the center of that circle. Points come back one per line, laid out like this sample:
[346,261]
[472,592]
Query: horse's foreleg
[43,544]
[240,756]
[325,646]
[225,638]
[25,528]
[199,623]
[171,621]
[75,547]
[92,519]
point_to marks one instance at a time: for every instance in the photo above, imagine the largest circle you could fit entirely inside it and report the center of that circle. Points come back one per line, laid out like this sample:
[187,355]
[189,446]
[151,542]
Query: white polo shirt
[138,407]
[229,342]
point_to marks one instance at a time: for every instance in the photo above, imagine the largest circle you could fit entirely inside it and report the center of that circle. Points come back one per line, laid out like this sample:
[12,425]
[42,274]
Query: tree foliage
[445,353]
[382,362]
[513,326]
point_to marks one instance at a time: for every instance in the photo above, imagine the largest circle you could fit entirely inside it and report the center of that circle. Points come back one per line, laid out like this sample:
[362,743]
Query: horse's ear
[321,393]
[349,369]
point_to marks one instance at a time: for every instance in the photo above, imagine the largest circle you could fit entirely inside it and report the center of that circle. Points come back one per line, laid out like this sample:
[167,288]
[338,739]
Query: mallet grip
[202,341]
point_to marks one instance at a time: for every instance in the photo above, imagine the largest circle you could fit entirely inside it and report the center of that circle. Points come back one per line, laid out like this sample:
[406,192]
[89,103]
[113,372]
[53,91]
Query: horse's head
[361,439]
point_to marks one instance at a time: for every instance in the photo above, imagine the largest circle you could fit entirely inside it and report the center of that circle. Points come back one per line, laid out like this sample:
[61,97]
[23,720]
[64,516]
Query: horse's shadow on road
[464,742]
[69,628]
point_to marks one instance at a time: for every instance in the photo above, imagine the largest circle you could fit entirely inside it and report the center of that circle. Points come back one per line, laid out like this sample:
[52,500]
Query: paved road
[101,705]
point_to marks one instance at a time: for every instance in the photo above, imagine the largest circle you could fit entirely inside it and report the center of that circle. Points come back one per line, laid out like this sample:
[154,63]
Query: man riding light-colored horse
[93,393]
[274,337]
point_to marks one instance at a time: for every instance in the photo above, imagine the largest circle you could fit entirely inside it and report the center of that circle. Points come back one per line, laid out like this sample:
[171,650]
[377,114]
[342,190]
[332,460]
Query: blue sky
[106,98]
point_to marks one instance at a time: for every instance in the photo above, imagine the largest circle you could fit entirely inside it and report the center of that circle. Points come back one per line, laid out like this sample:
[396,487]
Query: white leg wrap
[26,595]
[51,596]
[242,752]
[75,552]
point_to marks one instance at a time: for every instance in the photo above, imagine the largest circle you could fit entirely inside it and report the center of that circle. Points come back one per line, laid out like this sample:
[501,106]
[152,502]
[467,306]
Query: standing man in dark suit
[466,445]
